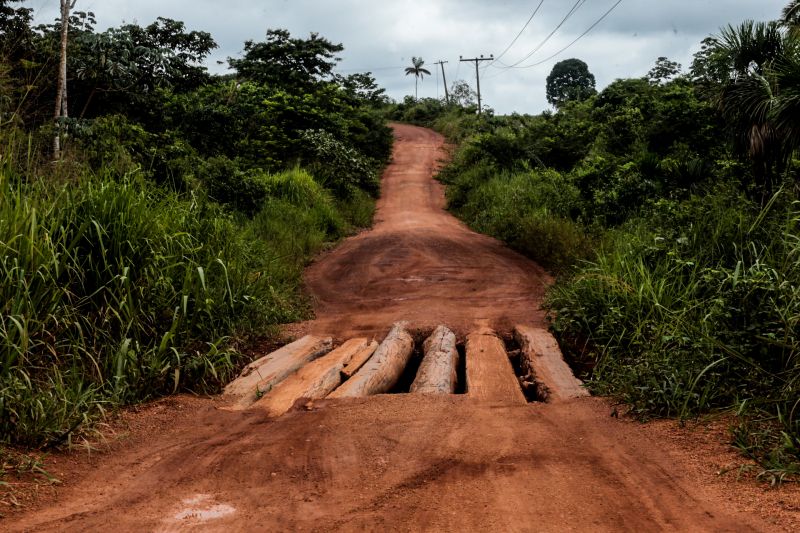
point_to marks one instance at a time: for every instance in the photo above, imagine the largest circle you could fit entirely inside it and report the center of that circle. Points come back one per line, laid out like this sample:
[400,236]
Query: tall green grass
[694,308]
[114,291]
[534,211]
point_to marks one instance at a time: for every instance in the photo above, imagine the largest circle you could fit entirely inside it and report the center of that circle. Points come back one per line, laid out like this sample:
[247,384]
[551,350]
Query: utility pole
[444,77]
[477,61]
[61,90]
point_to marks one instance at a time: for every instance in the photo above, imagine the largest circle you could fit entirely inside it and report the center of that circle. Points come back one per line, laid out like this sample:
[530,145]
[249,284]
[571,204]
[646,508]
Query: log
[384,369]
[315,380]
[490,376]
[438,372]
[357,361]
[541,359]
[262,375]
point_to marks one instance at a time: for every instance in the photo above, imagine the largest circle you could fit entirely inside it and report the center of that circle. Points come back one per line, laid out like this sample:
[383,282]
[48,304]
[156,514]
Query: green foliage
[663,71]
[342,169]
[679,280]
[176,226]
[692,308]
[287,63]
[757,94]
[118,291]
[533,211]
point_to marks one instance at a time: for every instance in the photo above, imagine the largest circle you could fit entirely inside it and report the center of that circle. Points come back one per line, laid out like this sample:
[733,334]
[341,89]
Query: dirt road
[419,263]
[394,462]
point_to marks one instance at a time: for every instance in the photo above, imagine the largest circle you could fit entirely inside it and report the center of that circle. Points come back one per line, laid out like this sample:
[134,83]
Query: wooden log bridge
[260,376]
[315,380]
[384,369]
[438,372]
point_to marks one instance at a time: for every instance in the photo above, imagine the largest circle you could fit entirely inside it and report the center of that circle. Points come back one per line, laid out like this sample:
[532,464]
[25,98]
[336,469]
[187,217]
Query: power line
[525,27]
[589,29]
[581,36]
[569,14]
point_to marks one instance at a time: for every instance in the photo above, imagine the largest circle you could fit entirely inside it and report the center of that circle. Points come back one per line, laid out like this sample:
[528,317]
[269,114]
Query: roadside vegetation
[668,205]
[171,227]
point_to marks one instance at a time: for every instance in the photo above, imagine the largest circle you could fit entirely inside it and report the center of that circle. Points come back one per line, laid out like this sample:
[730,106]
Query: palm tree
[791,16]
[418,72]
[761,95]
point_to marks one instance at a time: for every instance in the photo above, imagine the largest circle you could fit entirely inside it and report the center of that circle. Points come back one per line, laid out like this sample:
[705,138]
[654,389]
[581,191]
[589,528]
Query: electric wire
[525,27]
[578,4]
[581,36]
[562,50]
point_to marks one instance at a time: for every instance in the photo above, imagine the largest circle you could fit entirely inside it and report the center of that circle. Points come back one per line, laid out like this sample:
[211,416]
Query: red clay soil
[398,462]
[419,263]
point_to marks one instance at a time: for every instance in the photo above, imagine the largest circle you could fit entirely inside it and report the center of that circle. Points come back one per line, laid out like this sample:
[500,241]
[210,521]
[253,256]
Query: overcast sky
[382,35]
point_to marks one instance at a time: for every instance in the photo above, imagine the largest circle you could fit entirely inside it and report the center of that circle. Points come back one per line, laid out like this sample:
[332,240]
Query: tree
[126,65]
[760,96]
[568,81]
[418,72]
[462,94]
[14,26]
[791,16]
[364,87]
[709,65]
[663,71]
[287,63]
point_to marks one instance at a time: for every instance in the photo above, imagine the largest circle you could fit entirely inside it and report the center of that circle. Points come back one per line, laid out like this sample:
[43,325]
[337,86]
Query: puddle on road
[202,508]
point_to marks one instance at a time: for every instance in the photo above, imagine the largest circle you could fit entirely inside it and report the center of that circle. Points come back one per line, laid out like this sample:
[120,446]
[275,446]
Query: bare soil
[421,264]
[407,462]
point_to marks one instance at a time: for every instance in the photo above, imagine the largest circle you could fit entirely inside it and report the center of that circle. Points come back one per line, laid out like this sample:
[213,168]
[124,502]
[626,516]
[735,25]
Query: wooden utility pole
[61,90]
[477,61]
[444,78]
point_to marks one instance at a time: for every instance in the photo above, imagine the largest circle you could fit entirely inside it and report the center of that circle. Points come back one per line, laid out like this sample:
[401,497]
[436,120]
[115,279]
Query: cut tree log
[262,375]
[541,360]
[384,368]
[357,361]
[490,376]
[315,380]
[438,372]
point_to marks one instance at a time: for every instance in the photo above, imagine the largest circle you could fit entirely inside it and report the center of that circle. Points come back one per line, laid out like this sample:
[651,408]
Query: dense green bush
[116,291]
[342,169]
[694,308]
[533,211]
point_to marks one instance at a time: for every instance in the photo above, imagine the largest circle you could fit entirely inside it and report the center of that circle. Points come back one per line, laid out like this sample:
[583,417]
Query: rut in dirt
[419,263]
